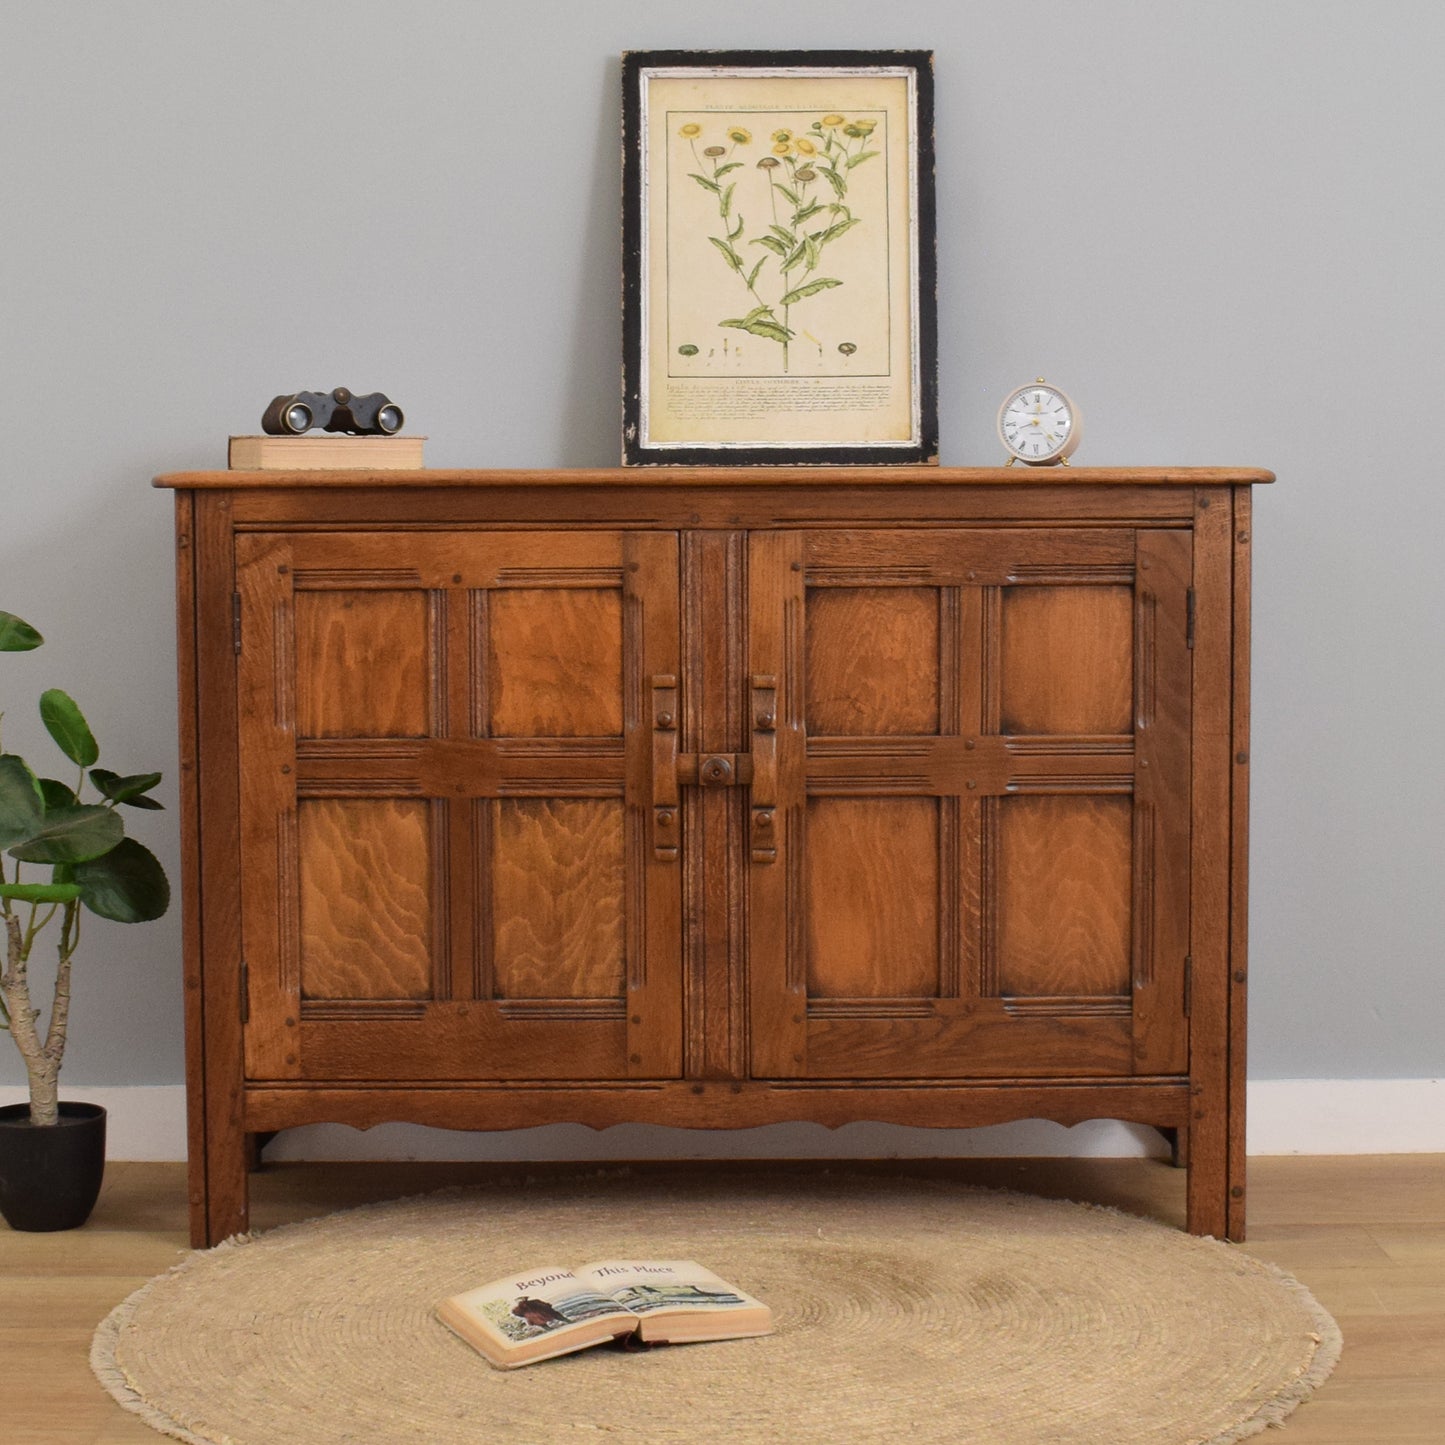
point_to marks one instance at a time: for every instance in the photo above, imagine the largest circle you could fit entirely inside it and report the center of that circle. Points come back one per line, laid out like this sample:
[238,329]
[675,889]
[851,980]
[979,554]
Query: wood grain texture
[363,665]
[1067,659]
[365,885]
[872,871]
[591,1024]
[872,660]
[1064,896]
[559,888]
[554,662]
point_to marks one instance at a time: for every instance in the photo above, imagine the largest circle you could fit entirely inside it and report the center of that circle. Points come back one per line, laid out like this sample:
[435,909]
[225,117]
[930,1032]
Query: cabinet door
[445,772]
[970,820]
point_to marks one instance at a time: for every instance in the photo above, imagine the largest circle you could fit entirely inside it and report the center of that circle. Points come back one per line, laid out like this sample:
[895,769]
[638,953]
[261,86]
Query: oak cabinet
[714,798]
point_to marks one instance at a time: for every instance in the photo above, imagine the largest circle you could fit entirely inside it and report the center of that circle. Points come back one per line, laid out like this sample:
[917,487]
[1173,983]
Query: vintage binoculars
[339,410]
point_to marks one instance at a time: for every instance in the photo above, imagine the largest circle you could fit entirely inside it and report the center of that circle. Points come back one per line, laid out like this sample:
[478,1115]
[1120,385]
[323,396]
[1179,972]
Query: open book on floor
[538,1313]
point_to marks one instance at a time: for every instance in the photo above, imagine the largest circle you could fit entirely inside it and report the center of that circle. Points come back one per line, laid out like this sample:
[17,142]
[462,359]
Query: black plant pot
[50,1177]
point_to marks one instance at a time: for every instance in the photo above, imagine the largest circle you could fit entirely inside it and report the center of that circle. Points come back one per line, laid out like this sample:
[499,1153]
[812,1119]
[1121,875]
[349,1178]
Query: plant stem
[42,1067]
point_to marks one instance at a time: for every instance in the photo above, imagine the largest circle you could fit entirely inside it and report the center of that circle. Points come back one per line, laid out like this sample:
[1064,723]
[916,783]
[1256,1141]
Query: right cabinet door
[970,802]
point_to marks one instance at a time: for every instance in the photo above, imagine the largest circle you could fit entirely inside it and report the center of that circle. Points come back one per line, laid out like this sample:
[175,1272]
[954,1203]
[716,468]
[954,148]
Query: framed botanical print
[779,271]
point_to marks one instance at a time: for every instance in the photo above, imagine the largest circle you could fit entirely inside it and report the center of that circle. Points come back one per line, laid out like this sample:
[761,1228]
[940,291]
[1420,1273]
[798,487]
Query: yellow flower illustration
[690,130]
[782,148]
[832,120]
[805,146]
[866,126]
[739,136]
[782,137]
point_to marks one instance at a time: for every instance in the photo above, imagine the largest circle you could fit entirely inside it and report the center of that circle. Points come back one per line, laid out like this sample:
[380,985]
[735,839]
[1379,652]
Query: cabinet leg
[1177,1139]
[255,1145]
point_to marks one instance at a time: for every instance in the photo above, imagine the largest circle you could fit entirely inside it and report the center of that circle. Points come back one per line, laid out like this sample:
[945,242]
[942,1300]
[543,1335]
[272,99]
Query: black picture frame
[803,367]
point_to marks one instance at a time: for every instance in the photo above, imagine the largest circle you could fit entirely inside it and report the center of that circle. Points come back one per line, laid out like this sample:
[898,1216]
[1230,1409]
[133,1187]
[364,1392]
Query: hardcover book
[537,1314]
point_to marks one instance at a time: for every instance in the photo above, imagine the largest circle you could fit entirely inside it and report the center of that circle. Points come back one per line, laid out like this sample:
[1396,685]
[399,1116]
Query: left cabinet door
[446,774]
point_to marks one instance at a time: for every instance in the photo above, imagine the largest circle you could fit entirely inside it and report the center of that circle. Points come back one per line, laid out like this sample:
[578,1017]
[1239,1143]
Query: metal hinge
[1188,983]
[1188,618]
[245,992]
[236,622]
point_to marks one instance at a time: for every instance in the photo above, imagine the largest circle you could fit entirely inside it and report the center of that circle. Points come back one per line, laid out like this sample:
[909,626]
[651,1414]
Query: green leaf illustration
[706,184]
[810,289]
[723,170]
[784,235]
[731,256]
[836,181]
[834,231]
[753,274]
[791,195]
[811,247]
[727,197]
[772,243]
[860,158]
[734,234]
[794,258]
[128,884]
[760,326]
[65,723]
[807,211]
[17,635]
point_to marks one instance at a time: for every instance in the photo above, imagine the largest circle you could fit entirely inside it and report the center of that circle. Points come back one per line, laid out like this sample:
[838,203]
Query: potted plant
[60,854]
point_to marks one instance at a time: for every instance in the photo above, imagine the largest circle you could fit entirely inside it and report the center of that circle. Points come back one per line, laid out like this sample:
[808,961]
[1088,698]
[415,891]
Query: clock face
[1038,424]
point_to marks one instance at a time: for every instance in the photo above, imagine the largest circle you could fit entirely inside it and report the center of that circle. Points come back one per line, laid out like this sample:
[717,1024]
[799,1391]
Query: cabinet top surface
[722,476]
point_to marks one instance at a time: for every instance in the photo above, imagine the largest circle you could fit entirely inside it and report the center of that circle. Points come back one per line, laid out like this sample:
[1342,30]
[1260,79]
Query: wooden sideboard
[714,798]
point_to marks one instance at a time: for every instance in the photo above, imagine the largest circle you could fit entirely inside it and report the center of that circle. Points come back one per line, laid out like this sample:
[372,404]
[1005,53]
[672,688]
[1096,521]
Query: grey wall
[1218,225]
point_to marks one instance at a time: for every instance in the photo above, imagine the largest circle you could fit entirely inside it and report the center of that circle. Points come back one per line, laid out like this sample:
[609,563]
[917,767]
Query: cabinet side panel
[1239,888]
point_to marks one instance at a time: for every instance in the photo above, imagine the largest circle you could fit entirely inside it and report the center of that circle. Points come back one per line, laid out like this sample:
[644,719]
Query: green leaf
[40,892]
[57,794]
[732,257]
[753,274]
[772,243]
[723,170]
[22,802]
[760,326]
[64,722]
[706,184]
[784,235]
[836,181]
[128,884]
[811,247]
[833,232]
[811,289]
[811,209]
[734,234]
[727,197]
[794,258]
[123,790]
[71,835]
[791,195]
[17,635]
[860,158]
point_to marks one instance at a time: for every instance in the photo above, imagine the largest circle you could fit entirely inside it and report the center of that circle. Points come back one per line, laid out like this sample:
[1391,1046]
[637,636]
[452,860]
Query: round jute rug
[904,1308]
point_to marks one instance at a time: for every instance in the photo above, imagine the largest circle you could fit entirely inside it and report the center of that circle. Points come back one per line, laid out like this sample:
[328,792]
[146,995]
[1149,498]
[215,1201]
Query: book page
[523,1307]
[644,1287]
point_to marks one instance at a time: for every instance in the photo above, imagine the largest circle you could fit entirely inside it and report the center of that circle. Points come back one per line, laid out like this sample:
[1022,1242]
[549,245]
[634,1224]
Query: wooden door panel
[559,885]
[1067,662]
[554,664]
[364,665]
[872,661]
[979,789]
[872,903]
[443,741]
[367,910]
[1064,894]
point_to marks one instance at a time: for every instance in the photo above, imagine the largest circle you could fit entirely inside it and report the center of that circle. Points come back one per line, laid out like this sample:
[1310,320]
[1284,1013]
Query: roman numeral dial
[1038,425]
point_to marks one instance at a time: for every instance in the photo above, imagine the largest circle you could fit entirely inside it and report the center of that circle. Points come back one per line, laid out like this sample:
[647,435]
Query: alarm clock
[1038,425]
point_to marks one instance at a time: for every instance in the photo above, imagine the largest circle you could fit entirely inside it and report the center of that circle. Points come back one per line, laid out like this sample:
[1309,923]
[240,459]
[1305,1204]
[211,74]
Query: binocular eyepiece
[339,410]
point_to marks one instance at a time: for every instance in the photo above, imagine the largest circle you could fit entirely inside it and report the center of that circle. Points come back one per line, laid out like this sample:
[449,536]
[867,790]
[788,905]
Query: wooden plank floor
[1366,1234]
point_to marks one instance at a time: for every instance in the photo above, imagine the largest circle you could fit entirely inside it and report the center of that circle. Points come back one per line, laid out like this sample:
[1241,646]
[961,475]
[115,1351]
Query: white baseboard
[1285,1116]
